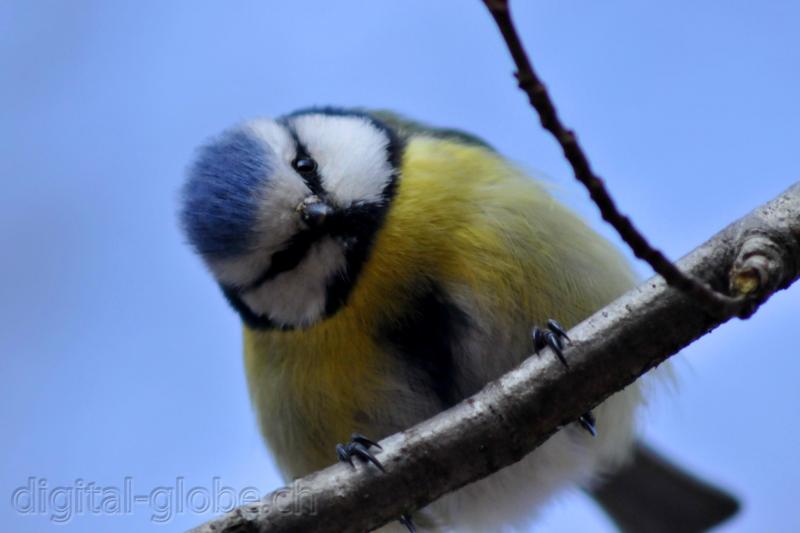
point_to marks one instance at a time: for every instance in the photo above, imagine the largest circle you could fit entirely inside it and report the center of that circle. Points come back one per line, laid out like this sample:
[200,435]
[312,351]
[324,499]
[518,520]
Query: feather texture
[503,253]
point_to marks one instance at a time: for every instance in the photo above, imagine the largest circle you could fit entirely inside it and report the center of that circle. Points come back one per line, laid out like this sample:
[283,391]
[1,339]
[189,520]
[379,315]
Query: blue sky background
[120,357]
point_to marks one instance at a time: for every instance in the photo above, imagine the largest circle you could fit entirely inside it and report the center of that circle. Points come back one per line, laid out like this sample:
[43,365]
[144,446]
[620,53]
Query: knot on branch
[758,267]
[528,82]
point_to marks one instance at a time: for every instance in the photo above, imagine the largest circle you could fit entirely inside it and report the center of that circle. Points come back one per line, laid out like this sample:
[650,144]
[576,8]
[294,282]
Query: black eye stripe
[285,260]
[355,227]
[305,165]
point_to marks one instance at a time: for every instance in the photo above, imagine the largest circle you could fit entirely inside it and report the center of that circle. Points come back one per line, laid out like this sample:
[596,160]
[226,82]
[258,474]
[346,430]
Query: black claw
[406,521]
[587,422]
[551,338]
[358,447]
[359,450]
[361,439]
[555,343]
[556,328]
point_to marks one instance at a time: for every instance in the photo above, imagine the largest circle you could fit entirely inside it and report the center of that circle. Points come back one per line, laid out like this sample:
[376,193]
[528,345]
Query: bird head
[283,212]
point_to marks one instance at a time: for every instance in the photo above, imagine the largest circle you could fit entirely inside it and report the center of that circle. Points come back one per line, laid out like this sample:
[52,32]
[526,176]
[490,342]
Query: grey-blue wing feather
[653,495]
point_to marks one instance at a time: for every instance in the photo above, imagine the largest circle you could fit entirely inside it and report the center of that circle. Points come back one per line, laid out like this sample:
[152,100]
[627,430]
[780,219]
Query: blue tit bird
[384,270]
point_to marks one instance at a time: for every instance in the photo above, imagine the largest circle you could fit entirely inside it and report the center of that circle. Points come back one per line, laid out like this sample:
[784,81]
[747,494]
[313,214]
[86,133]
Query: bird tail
[651,495]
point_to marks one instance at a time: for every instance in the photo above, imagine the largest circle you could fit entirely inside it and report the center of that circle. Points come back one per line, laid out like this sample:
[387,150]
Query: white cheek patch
[238,272]
[278,200]
[351,155]
[353,166]
[298,297]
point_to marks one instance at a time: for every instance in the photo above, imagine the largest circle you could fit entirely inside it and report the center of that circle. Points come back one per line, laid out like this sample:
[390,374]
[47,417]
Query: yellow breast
[464,217]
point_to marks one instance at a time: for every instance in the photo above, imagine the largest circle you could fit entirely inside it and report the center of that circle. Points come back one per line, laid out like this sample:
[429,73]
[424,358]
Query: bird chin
[347,242]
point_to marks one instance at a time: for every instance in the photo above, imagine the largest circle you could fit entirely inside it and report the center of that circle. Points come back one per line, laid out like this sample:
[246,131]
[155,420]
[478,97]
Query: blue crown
[220,198]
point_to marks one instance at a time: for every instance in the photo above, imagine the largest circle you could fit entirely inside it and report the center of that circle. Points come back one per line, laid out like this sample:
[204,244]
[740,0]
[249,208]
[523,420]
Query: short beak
[314,211]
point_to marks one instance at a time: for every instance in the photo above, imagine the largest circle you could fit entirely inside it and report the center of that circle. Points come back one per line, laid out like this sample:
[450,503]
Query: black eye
[304,165]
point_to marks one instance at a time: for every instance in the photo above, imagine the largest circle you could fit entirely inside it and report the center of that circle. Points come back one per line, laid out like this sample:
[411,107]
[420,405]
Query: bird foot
[359,446]
[554,337]
[406,521]
[588,422]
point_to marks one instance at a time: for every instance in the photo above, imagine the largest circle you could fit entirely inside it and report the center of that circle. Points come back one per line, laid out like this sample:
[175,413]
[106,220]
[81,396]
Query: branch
[714,300]
[757,256]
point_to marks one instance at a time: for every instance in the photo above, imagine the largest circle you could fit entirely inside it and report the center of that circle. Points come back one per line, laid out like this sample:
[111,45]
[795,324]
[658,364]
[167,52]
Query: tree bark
[753,257]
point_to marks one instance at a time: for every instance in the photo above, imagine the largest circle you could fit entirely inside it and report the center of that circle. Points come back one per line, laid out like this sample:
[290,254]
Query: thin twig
[531,84]
[514,414]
